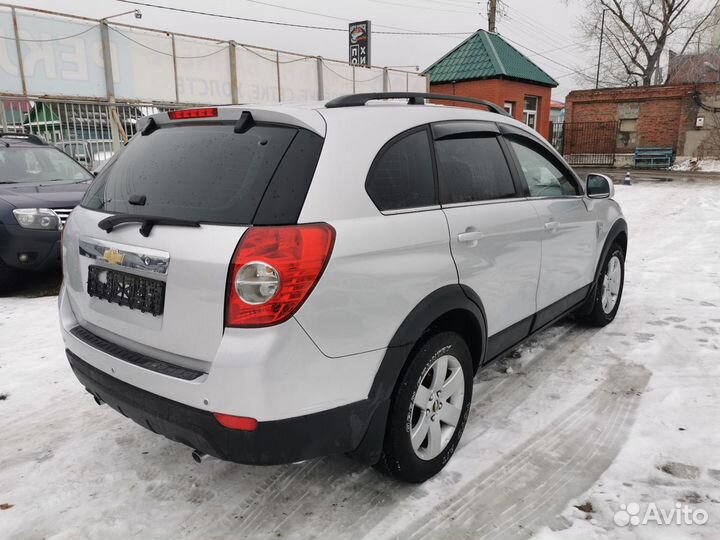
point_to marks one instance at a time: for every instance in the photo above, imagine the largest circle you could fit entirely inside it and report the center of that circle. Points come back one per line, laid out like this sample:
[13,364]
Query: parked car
[39,187]
[272,284]
[91,153]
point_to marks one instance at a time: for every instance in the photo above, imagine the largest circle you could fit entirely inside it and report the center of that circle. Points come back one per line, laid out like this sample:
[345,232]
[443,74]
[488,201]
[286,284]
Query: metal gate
[81,129]
[585,143]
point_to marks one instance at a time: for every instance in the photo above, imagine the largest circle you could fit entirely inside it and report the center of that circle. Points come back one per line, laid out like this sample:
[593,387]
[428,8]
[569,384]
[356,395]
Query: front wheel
[608,289]
[429,409]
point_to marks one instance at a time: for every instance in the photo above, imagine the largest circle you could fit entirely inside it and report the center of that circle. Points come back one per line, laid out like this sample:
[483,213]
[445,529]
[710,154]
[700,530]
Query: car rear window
[206,173]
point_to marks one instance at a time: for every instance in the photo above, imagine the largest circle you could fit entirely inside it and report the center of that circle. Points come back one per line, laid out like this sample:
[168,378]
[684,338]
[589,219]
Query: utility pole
[602,34]
[492,11]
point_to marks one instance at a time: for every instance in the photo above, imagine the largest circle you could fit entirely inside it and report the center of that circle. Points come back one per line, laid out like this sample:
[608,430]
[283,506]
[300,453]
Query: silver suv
[269,284]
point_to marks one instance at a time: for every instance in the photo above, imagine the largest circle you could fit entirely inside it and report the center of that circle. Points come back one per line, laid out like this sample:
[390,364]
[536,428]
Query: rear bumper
[41,247]
[332,431]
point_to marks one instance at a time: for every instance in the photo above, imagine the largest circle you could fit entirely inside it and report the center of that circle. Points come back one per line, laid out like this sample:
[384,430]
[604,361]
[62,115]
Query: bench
[654,158]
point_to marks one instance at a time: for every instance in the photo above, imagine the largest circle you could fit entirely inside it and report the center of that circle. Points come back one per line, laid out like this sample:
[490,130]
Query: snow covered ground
[702,165]
[626,415]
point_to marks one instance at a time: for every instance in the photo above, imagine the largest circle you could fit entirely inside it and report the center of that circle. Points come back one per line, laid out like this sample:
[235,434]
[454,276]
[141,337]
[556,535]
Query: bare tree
[637,32]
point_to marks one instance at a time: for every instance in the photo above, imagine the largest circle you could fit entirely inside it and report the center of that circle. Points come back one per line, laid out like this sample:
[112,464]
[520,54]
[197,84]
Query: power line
[521,17]
[564,47]
[457,3]
[571,69]
[325,15]
[317,14]
[536,32]
[421,7]
[293,25]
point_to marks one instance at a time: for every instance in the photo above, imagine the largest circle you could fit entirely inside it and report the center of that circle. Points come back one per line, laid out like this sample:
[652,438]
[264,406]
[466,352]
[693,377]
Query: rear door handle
[470,236]
[552,225]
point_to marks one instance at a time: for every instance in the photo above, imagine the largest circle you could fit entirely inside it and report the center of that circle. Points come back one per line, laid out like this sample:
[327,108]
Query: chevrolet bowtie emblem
[113,256]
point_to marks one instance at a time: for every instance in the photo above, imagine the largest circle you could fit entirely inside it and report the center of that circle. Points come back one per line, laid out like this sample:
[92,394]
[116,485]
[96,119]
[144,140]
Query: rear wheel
[429,409]
[608,289]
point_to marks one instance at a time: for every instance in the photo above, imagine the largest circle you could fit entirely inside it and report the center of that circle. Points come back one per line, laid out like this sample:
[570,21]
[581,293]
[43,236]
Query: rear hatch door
[184,195]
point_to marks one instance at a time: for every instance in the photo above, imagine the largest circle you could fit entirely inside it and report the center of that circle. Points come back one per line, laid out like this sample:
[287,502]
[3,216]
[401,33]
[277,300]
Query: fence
[44,53]
[82,129]
[82,83]
[585,143]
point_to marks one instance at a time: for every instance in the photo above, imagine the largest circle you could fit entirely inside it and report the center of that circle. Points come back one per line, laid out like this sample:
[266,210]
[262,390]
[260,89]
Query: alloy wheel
[437,407]
[611,284]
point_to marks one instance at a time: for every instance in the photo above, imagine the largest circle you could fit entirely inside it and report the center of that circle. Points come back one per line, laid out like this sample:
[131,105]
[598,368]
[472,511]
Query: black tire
[399,459]
[9,279]
[596,314]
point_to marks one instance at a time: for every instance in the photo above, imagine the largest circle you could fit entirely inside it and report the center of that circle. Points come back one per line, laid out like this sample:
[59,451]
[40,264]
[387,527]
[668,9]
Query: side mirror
[599,186]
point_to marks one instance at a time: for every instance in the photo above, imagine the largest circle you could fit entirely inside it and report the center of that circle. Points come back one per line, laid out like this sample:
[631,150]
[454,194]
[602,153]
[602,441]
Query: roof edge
[494,78]
[556,84]
[443,57]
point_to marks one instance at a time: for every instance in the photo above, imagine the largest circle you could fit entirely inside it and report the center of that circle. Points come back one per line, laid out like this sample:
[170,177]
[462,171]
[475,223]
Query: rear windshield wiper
[148,222]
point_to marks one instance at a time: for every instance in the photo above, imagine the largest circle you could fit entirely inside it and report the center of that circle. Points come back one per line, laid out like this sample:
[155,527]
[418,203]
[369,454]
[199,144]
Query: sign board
[359,41]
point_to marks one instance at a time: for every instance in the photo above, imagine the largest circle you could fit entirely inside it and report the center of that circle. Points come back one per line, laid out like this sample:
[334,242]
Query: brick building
[694,68]
[654,116]
[485,66]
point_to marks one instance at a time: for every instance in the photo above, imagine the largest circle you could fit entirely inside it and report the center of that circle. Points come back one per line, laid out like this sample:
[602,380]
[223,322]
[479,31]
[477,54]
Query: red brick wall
[499,91]
[659,123]
[663,111]
[592,112]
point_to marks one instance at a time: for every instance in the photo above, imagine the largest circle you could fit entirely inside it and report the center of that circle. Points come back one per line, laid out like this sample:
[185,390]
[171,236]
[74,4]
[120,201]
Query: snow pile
[701,165]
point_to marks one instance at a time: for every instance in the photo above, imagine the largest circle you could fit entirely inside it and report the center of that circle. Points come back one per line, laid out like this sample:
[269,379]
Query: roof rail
[30,137]
[414,98]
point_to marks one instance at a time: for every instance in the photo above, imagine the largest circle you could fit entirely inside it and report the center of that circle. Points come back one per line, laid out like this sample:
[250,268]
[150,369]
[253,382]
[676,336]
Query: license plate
[135,292]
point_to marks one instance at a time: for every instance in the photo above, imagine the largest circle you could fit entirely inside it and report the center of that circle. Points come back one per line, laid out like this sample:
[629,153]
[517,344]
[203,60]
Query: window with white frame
[530,111]
[509,107]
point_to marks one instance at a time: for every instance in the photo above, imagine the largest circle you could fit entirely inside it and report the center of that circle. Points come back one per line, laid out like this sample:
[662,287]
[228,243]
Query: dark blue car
[39,187]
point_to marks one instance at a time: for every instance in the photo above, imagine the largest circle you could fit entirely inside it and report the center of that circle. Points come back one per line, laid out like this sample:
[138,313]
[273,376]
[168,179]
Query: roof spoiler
[30,137]
[413,98]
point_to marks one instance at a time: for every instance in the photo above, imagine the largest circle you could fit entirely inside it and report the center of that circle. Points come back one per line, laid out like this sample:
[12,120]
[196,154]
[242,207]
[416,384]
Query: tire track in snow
[461,504]
[334,483]
[499,402]
[536,480]
[539,513]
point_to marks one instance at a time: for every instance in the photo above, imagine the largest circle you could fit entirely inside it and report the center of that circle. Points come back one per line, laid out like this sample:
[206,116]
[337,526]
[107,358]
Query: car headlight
[37,218]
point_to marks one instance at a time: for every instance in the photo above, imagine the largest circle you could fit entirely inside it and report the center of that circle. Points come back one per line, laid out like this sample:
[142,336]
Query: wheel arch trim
[441,302]
[619,227]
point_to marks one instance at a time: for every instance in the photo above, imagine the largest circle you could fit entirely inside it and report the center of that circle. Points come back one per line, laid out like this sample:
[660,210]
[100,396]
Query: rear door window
[204,173]
[401,176]
[472,168]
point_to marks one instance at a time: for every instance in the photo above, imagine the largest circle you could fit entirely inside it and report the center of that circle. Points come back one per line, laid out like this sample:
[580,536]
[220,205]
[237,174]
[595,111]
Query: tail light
[274,270]
[189,114]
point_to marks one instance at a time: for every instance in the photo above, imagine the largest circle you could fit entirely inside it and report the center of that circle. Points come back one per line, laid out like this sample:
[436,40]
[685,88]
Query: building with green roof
[486,66]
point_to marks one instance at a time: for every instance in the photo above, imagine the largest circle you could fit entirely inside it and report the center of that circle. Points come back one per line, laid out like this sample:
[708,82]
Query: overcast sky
[547,27]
